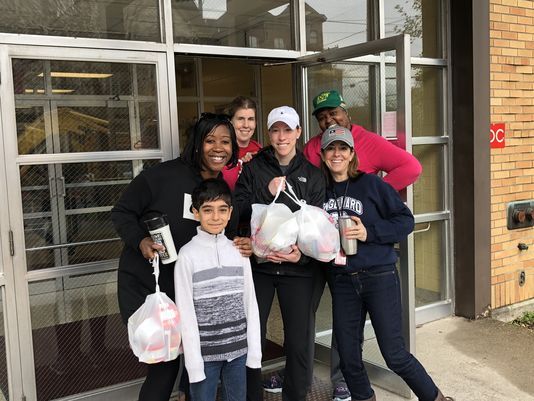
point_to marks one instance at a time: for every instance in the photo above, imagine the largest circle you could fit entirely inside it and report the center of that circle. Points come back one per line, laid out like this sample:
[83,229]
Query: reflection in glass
[105,19]
[33,133]
[356,84]
[67,211]
[429,262]
[76,318]
[238,23]
[421,19]
[335,23]
[28,76]
[428,191]
[117,95]
[83,78]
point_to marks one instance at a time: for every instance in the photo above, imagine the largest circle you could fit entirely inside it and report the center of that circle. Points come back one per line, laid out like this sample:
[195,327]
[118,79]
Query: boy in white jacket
[215,296]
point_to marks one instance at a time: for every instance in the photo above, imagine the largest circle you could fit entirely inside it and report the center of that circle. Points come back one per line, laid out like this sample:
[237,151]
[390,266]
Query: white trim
[93,43]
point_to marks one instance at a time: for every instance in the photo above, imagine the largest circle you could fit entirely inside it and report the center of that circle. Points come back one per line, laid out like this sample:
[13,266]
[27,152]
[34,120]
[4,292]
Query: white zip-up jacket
[217,303]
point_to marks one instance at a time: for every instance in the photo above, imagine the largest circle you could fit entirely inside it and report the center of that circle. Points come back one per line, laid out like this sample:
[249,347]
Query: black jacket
[158,190]
[252,187]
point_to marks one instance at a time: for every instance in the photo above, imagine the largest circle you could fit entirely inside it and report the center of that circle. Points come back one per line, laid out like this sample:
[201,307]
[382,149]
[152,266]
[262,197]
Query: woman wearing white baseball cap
[289,275]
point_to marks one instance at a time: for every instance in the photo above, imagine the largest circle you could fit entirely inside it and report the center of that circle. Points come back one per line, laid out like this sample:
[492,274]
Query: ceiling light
[41,91]
[83,75]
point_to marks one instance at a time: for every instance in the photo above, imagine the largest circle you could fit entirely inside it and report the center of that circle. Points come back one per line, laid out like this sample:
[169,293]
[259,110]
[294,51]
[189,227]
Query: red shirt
[231,175]
[375,154]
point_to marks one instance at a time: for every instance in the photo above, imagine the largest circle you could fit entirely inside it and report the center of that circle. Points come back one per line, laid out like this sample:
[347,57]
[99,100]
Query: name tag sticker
[188,214]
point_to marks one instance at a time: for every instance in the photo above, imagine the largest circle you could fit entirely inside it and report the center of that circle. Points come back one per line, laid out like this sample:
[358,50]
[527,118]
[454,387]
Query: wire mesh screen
[67,211]
[4,388]
[79,341]
[85,107]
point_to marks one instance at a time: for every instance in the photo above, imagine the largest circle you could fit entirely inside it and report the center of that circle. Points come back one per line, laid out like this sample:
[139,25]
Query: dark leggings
[160,380]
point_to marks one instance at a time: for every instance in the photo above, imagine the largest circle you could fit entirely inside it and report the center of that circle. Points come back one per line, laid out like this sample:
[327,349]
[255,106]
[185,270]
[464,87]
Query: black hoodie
[162,189]
[252,187]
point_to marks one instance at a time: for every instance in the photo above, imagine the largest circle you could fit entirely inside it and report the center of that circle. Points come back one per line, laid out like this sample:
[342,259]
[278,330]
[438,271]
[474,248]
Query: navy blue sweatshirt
[382,212]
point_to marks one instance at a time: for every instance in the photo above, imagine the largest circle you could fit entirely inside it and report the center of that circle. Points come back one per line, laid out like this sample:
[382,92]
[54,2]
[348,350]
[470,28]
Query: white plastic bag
[153,330]
[273,228]
[318,236]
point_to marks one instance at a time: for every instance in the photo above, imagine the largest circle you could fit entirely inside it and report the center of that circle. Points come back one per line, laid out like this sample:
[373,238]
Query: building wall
[512,168]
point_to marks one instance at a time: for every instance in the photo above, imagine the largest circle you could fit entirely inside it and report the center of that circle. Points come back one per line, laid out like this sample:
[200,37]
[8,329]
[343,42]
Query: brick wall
[512,168]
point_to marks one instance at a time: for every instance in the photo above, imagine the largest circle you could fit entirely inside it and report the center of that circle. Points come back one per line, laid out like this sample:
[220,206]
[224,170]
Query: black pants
[294,296]
[160,380]
[319,280]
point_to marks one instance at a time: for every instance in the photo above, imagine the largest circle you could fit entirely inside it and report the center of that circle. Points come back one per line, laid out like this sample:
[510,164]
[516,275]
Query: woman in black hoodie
[290,275]
[166,189]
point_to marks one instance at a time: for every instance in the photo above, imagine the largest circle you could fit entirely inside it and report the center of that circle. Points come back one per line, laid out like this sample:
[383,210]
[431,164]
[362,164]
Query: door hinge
[11,244]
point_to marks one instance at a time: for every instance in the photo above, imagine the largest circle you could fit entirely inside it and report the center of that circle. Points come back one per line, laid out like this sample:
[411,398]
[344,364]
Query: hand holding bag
[318,236]
[153,330]
[273,227]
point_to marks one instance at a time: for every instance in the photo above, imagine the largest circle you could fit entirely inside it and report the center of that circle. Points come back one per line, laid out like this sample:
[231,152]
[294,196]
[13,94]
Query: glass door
[358,72]
[81,128]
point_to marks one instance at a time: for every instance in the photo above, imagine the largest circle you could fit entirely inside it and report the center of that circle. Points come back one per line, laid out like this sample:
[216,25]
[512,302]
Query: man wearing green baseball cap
[375,153]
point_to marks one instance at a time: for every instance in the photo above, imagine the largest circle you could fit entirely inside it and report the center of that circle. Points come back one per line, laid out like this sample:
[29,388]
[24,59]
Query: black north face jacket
[307,181]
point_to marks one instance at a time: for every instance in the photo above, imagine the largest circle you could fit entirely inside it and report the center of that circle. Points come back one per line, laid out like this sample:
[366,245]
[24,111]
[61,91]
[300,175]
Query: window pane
[427,99]
[67,210]
[186,76]
[87,107]
[356,82]
[428,191]
[105,19]
[28,76]
[335,23]
[227,78]
[76,318]
[430,264]
[421,19]
[187,117]
[239,23]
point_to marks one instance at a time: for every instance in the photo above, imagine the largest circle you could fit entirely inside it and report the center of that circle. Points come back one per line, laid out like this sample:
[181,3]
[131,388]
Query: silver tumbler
[350,246]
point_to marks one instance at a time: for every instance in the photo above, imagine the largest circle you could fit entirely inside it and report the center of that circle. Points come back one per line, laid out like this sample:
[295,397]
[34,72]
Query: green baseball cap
[328,99]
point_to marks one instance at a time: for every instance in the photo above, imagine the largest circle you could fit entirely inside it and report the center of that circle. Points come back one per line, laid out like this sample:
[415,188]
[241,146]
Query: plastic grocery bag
[153,330]
[318,236]
[273,228]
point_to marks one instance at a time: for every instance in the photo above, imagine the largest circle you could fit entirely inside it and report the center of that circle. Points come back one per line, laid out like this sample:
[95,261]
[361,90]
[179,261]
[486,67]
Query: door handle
[62,189]
[52,187]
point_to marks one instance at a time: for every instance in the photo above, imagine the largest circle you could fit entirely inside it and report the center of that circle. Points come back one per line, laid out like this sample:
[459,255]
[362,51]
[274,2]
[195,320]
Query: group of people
[225,294]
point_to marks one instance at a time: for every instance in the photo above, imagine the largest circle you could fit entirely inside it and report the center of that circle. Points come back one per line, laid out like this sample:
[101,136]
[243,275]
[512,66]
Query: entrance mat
[321,390]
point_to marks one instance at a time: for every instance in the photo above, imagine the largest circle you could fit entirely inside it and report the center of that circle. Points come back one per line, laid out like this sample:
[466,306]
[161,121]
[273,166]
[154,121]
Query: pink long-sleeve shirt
[375,154]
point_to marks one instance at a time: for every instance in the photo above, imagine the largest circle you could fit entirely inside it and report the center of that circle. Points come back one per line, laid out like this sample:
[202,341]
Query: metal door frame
[373,51]
[15,276]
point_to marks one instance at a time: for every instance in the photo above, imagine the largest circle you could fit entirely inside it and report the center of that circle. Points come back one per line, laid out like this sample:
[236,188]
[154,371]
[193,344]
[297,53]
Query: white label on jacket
[188,214]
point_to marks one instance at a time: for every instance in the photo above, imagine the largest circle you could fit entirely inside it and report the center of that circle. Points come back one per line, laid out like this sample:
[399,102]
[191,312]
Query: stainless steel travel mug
[159,230]
[349,246]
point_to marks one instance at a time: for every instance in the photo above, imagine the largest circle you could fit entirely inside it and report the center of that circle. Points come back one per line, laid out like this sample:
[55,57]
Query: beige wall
[512,168]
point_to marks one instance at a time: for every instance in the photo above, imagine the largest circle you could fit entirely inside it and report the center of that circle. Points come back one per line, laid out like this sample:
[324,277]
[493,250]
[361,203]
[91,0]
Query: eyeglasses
[214,116]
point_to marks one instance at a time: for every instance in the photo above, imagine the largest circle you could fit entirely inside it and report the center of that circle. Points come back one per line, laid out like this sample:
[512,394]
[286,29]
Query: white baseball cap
[284,114]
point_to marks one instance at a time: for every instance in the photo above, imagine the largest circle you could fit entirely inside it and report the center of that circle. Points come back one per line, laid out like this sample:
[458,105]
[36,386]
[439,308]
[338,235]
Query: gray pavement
[480,360]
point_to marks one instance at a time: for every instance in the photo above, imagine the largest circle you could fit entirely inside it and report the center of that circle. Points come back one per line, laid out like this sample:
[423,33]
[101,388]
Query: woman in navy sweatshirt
[368,282]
